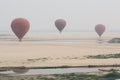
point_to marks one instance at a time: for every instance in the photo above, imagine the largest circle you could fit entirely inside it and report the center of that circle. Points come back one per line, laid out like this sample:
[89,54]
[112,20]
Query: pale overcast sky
[81,15]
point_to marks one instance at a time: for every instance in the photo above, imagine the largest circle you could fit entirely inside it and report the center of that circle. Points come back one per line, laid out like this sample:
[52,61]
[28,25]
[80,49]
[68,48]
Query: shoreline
[56,67]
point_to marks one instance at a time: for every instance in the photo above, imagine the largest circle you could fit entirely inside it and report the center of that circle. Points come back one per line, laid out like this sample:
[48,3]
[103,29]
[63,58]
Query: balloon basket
[100,41]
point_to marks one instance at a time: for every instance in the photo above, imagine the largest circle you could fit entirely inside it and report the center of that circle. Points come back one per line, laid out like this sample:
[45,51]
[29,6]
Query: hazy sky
[81,15]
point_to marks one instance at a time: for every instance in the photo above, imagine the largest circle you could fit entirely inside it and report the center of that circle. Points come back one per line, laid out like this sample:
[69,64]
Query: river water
[56,71]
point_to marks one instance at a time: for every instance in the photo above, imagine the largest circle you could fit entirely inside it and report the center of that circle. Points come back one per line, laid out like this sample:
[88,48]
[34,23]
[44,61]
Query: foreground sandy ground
[55,54]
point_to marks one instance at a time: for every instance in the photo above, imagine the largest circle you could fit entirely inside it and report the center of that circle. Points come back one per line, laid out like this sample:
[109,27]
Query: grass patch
[38,59]
[83,76]
[103,56]
[113,75]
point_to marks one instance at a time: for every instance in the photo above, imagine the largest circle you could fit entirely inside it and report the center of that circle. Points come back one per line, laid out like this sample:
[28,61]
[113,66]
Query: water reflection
[20,71]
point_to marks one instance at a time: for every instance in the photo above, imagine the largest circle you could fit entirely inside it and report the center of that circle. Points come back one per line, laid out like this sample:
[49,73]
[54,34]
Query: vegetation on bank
[113,75]
[107,56]
[114,40]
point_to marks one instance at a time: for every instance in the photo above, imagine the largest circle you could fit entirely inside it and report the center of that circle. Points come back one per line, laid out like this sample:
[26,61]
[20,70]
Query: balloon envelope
[100,28]
[60,24]
[20,71]
[20,27]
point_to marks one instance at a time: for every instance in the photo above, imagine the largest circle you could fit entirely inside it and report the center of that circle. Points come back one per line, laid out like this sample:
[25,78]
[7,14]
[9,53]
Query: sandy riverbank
[51,49]
[55,54]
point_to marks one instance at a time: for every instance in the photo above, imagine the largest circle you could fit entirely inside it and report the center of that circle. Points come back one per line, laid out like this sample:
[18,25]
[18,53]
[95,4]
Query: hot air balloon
[60,24]
[20,71]
[20,27]
[100,28]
